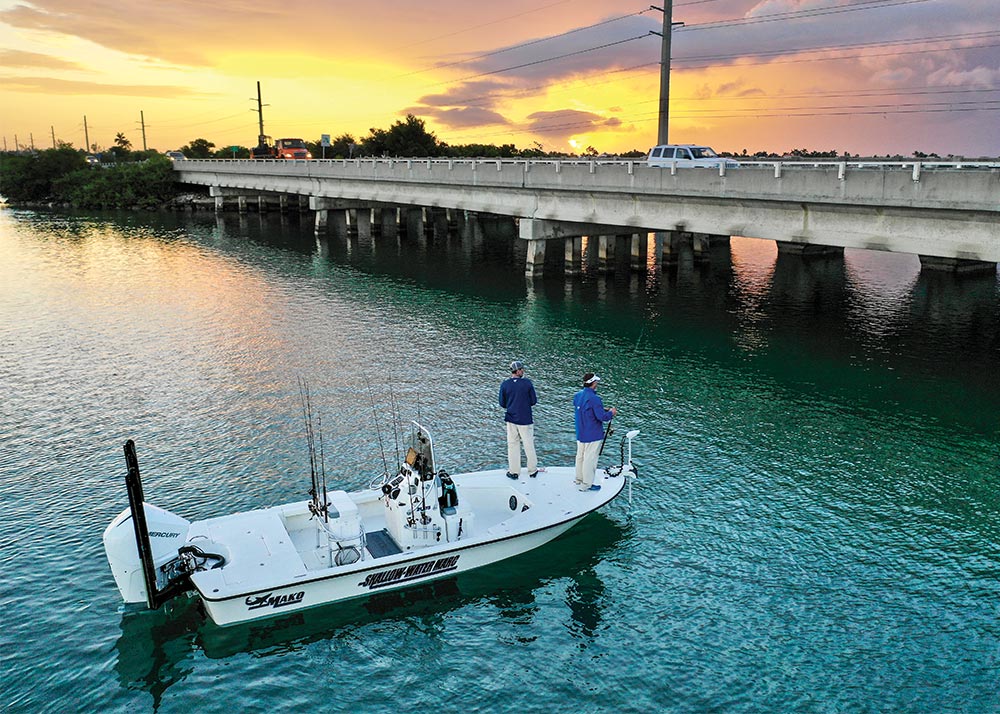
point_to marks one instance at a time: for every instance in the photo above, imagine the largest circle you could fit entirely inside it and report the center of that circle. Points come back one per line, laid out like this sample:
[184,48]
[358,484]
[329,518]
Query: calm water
[816,527]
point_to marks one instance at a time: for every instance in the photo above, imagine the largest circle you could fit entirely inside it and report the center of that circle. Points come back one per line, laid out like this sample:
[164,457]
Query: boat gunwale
[416,555]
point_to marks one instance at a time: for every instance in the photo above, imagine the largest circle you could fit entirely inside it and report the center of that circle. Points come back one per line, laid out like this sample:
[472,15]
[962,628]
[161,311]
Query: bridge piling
[573,260]
[639,245]
[535,259]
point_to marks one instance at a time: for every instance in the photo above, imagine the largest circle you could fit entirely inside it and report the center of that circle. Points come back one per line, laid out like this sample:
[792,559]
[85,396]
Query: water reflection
[155,645]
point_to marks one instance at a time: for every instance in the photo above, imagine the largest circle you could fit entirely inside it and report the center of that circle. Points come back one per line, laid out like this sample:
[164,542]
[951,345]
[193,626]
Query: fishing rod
[378,432]
[310,440]
[610,429]
[607,432]
[322,463]
[395,423]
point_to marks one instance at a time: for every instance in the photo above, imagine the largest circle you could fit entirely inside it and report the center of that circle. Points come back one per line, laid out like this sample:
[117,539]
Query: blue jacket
[517,396]
[590,415]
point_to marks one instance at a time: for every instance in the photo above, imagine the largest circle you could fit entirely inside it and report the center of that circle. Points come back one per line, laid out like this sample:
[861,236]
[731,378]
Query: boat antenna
[322,465]
[395,423]
[310,443]
[378,432]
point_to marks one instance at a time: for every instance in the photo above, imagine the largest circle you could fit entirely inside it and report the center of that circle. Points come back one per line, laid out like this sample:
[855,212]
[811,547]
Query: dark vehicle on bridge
[264,149]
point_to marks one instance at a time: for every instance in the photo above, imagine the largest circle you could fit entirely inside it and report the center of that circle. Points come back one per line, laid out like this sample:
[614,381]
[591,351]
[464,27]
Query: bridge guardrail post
[777,169]
[841,170]
[916,171]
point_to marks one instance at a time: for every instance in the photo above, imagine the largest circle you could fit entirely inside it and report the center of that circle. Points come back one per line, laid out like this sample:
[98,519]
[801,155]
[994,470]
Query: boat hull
[418,567]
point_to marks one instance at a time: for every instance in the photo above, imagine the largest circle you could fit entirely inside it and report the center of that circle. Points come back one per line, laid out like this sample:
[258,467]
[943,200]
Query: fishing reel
[391,489]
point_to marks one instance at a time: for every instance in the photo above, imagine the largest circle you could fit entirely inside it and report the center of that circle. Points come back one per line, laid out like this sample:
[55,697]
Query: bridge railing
[868,164]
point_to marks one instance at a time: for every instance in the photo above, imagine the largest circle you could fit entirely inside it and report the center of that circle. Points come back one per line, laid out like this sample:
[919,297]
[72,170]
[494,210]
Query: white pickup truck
[687,156]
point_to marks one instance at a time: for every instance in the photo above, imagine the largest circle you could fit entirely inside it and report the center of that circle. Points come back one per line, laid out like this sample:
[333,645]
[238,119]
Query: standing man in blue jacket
[517,396]
[590,417]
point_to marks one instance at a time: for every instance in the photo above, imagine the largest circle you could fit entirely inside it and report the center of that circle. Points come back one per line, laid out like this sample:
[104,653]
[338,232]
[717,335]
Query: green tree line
[63,175]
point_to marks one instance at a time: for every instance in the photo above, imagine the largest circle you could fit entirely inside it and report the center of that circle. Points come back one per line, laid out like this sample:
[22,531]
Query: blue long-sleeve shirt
[517,396]
[590,416]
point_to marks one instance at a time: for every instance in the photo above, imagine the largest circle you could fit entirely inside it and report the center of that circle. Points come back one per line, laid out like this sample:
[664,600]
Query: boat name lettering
[275,601]
[162,534]
[410,572]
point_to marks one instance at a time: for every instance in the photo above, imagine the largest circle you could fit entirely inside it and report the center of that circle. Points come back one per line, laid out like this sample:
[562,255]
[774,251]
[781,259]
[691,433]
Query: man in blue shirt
[590,417]
[517,396]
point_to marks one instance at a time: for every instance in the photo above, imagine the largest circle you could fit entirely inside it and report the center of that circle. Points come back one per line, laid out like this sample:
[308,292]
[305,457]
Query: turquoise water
[815,527]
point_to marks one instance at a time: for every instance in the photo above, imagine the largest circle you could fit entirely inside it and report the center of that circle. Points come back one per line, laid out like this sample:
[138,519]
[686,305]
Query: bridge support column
[573,262]
[639,245]
[671,245]
[535,259]
[389,221]
[363,222]
[283,203]
[958,266]
[606,253]
[701,244]
[440,224]
[241,201]
[415,225]
[322,216]
[220,204]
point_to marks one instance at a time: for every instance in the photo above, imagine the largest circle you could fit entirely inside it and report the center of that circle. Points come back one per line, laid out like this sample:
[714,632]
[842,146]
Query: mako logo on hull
[274,601]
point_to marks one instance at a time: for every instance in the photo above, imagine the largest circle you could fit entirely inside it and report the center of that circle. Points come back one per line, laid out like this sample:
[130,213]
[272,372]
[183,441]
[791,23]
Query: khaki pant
[518,434]
[586,463]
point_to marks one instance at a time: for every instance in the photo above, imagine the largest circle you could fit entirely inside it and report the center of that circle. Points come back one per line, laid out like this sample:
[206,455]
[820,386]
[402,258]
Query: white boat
[411,528]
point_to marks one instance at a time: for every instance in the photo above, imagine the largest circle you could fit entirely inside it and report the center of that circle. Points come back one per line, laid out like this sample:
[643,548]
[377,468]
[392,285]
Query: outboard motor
[144,546]
[167,533]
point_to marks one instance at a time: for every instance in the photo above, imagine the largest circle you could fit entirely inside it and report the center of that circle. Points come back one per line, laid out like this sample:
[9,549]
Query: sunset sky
[863,76]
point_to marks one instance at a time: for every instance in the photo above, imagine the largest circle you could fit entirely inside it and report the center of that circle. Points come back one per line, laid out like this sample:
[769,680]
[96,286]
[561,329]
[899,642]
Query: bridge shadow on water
[741,300]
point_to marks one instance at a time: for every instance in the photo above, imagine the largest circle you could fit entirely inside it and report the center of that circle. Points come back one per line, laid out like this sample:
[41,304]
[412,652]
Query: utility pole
[17,149]
[86,135]
[663,130]
[53,135]
[260,112]
[142,120]
[31,138]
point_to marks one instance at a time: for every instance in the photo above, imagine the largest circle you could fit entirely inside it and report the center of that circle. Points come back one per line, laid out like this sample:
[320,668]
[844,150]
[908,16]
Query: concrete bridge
[948,214]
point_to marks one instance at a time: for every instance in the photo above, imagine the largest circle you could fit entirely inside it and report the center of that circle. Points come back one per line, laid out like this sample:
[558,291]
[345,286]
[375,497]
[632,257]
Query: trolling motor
[627,466]
[625,462]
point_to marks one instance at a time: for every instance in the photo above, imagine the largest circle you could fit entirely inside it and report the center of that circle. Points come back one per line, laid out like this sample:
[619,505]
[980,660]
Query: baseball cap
[516,365]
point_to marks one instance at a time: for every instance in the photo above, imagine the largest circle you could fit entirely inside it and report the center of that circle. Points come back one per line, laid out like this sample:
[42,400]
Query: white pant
[518,434]
[586,463]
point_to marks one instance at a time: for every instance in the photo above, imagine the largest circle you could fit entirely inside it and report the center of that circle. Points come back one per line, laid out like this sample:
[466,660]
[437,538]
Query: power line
[798,14]
[804,112]
[843,57]
[525,44]
[856,45]
[542,61]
